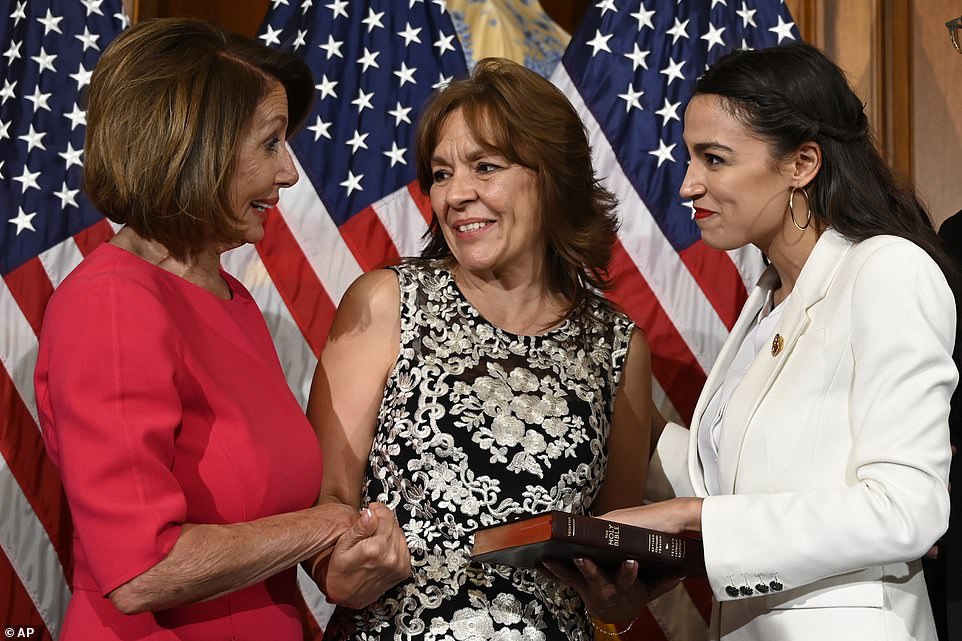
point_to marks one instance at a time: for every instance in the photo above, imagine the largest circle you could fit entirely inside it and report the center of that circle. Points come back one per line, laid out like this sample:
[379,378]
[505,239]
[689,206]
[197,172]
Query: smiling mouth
[701,214]
[261,206]
[471,227]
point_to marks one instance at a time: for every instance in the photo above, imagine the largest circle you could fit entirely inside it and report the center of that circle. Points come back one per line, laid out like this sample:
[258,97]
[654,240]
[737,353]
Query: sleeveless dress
[478,426]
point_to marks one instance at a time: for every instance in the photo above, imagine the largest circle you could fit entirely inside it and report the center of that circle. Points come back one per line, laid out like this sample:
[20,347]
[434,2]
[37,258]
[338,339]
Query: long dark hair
[793,94]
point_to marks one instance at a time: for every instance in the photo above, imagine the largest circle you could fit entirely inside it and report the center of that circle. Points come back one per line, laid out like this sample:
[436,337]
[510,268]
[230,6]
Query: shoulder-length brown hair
[167,106]
[526,119]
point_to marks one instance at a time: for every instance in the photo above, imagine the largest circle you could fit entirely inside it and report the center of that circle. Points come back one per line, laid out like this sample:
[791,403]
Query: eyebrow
[477,153]
[270,122]
[702,147]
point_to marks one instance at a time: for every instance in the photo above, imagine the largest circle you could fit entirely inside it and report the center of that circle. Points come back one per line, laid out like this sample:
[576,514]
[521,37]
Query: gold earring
[791,208]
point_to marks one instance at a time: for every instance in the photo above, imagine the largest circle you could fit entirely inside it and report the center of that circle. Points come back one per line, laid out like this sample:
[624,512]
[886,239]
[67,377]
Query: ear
[806,163]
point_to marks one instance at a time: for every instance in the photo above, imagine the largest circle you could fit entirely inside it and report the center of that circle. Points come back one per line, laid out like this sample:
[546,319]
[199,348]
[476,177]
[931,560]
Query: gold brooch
[777,344]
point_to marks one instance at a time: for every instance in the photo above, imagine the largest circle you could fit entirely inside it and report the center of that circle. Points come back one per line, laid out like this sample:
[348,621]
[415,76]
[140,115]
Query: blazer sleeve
[896,504]
[109,404]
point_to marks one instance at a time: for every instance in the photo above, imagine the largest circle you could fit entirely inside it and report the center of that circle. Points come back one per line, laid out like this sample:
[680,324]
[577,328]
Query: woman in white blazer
[818,456]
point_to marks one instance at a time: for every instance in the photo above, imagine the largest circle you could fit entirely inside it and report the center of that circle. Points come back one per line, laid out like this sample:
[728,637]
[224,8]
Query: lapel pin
[777,344]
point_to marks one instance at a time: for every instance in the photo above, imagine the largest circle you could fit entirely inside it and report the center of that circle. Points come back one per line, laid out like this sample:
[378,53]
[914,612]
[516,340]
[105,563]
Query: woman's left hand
[616,598]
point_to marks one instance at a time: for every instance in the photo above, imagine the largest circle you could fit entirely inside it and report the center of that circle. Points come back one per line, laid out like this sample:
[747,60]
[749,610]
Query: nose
[461,188]
[287,174]
[692,186]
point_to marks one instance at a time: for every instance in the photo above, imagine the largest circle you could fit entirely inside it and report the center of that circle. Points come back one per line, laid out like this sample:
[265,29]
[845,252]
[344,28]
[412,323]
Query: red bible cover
[525,542]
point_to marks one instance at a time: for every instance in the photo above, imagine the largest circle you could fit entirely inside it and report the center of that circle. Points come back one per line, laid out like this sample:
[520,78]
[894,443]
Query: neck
[521,307]
[788,254]
[202,269]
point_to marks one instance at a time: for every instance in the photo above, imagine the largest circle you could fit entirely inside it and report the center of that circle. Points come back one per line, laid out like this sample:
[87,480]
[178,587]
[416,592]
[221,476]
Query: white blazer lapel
[716,376]
[813,282]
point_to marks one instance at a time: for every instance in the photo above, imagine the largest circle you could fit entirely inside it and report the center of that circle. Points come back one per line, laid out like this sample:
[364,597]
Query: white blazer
[834,455]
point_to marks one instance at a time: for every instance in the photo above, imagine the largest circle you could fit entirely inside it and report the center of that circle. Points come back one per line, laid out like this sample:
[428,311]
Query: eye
[712,159]
[274,144]
[439,175]
[487,167]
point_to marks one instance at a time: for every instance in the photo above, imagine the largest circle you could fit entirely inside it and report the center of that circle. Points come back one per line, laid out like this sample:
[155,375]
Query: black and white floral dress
[478,426]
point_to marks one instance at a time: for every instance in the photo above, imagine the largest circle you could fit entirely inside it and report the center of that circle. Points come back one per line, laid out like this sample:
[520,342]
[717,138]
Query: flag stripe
[314,602]
[26,459]
[718,278]
[295,353]
[31,288]
[747,260]
[678,614]
[646,628]
[422,201]
[305,296]
[88,239]
[18,347]
[368,239]
[31,553]
[318,237]
[401,215]
[15,604]
[59,260]
[701,595]
[672,362]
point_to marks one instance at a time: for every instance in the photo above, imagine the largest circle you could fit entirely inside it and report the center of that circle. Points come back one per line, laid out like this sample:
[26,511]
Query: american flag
[628,71]
[49,50]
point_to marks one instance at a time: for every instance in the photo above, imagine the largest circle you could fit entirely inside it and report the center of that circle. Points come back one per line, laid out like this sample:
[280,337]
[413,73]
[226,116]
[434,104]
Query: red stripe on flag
[15,604]
[423,201]
[368,240]
[701,595]
[718,277]
[295,280]
[22,448]
[309,626]
[31,288]
[88,239]
[672,362]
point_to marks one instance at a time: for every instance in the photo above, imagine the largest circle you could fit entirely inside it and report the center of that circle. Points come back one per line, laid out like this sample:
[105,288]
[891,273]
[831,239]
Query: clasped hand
[370,557]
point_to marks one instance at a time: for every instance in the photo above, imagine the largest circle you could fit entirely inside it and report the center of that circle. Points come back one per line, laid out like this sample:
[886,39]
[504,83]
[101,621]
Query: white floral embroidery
[478,426]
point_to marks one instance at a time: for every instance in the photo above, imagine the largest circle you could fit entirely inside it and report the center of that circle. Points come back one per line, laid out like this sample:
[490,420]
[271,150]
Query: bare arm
[658,422]
[210,560]
[345,397]
[629,439]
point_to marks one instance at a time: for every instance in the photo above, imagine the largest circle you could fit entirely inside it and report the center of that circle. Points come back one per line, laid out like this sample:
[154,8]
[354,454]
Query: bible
[526,541]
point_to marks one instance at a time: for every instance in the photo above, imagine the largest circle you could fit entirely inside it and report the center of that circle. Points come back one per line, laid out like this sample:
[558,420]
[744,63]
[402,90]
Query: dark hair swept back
[167,108]
[518,114]
[792,94]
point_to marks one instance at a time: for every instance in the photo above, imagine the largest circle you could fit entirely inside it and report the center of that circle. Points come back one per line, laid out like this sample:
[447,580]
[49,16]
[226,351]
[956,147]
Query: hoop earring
[791,208]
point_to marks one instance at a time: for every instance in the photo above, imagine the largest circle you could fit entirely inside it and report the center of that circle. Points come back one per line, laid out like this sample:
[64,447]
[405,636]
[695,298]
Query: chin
[720,244]
[252,235]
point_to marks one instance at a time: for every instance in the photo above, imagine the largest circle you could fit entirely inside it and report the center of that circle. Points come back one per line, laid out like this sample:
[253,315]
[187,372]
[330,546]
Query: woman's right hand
[613,597]
[369,558]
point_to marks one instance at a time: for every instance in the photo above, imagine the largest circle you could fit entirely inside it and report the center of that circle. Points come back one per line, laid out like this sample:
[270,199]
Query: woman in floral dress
[484,381]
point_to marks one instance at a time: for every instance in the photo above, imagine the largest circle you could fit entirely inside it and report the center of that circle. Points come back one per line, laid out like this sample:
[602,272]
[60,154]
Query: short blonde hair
[167,106]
